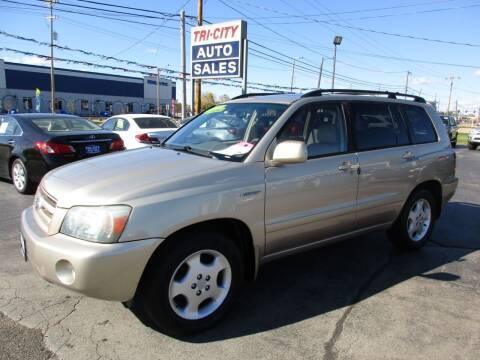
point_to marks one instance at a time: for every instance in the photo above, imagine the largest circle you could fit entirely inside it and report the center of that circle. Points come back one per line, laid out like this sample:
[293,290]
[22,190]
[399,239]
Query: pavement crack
[330,352]
[69,313]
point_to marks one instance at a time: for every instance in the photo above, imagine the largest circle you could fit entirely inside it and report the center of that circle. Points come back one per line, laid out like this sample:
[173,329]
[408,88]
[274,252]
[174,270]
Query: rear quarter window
[419,125]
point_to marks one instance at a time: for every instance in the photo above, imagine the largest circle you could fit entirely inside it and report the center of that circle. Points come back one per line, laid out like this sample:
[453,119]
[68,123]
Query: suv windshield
[227,131]
[154,123]
[65,124]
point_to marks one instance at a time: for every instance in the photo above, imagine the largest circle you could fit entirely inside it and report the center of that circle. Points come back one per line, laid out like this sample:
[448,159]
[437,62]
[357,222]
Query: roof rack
[391,95]
[256,94]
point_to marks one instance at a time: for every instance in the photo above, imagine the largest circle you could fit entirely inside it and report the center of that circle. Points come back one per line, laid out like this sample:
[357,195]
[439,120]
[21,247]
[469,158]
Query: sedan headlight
[103,224]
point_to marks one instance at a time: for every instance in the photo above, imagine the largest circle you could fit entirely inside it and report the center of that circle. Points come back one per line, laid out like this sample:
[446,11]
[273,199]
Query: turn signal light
[145,138]
[117,145]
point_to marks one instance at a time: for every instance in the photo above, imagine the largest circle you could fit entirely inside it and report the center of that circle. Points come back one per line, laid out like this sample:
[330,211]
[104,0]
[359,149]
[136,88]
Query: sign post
[218,50]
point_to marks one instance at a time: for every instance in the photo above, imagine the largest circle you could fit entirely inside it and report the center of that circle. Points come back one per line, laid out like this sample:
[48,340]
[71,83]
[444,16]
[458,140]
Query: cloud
[421,81]
[28,59]
[151,50]
[477,72]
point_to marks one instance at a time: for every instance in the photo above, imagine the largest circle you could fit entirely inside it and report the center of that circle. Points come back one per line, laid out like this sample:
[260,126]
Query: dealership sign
[217,50]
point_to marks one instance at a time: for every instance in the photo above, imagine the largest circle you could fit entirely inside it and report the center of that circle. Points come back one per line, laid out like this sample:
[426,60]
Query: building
[83,93]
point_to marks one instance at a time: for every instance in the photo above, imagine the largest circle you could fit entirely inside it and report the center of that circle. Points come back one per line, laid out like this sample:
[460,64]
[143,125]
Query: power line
[407,36]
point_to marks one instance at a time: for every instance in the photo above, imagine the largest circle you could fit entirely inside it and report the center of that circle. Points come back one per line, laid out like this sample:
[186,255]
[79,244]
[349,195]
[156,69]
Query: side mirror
[289,152]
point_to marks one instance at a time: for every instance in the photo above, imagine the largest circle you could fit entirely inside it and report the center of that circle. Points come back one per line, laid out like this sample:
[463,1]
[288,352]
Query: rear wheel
[415,224]
[472,146]
[192,283]
[20,177]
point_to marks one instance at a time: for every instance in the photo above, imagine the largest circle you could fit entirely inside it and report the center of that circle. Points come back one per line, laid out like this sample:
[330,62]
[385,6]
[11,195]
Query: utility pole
[198,82]
[184,64]
[456,108]
[158,91]
[245,67]
[406,82]
[293,74]
[320,74]
[451,78]
[52,65]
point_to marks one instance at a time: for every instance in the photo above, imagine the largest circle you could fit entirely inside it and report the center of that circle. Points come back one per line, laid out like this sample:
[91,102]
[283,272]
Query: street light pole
[336,41]
[406,82]
[184,66]
[158,91]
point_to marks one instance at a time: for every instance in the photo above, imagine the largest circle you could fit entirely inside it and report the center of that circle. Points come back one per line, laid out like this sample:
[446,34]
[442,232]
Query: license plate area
[92,149]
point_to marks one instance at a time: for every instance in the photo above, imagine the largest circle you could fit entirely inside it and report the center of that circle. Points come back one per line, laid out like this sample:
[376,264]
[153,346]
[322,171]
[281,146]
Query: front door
[315,200]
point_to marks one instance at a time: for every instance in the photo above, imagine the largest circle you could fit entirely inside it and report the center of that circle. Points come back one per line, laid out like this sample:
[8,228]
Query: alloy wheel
[419,219]
[200,284]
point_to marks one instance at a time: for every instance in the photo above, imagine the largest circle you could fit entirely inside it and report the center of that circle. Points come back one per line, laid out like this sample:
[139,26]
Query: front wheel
[472,146]
[414,226]
[192,283]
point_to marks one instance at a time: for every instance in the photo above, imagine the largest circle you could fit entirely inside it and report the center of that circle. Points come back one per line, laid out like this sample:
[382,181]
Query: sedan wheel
[21,178]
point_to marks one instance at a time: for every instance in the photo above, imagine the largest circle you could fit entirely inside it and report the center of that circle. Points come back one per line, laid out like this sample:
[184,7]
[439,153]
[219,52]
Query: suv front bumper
[104,271]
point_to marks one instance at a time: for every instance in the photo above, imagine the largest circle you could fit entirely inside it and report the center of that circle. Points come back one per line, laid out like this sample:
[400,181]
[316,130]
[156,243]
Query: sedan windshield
[66,124]
[227,131]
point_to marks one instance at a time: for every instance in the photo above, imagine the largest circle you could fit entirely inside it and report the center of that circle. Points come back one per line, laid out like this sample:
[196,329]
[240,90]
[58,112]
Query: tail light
[145,138]
[117,145]
[51,148]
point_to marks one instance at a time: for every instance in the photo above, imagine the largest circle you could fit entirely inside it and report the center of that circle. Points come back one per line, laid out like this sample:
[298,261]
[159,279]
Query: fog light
[65,272]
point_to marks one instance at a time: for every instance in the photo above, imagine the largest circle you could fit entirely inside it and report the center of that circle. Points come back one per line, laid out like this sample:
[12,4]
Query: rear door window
[419,125]
[377,126]
[10,127]
[121,125]
[109,124]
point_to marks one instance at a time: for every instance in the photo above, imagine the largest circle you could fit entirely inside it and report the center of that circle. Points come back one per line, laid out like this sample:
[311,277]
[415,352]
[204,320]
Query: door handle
[348,166]
[408,156]
[11,142]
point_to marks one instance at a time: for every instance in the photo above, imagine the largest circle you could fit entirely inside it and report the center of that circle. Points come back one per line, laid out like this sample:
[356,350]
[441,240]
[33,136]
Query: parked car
[33,144]
[139,130]
[452,128]
[177,229]
[474,139]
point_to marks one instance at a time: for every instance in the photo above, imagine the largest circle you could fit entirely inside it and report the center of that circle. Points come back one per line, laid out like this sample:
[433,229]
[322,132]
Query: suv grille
[45,205]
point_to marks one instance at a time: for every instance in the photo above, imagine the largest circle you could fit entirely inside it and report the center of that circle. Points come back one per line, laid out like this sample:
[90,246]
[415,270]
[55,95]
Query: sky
[279,30]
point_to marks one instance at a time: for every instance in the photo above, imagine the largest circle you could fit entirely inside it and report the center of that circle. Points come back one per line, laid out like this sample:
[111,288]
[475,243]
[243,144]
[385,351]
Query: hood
[124,176]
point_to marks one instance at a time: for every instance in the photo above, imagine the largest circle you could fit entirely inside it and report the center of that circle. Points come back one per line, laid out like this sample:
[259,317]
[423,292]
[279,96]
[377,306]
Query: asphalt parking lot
[354,300]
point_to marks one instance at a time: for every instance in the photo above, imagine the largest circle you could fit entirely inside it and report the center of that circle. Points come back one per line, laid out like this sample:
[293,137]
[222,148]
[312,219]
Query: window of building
[27,103]
[130,108]
[420,127]
[375,127]
[58,104]
[84,105]
[108,106]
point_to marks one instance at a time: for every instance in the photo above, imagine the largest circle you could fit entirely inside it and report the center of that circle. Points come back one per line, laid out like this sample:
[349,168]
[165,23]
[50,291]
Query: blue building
[81,92]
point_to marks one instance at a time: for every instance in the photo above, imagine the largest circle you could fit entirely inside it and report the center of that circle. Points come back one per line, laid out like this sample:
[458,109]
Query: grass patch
[462,139]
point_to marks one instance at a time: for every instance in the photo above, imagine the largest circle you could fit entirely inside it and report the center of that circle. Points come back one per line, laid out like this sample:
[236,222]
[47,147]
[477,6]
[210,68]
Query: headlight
[103,224]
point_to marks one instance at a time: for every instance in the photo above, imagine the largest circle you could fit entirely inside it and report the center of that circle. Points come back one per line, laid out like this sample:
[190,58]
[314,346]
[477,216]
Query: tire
[472,146]
[21,178]
[404,234]
[168,273]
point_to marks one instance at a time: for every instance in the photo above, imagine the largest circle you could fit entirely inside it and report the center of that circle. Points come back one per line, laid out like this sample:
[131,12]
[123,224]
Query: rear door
[10,133]
[315,200]
[386,161]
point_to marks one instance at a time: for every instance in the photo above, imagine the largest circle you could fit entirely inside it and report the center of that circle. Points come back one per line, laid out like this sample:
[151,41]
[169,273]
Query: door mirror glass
[289,152]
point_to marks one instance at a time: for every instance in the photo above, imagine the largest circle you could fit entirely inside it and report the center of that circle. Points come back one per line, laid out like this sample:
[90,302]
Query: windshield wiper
[188,149]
